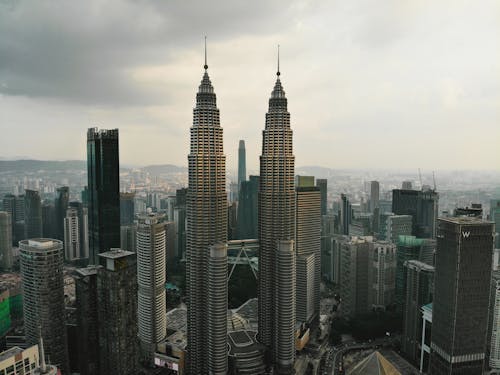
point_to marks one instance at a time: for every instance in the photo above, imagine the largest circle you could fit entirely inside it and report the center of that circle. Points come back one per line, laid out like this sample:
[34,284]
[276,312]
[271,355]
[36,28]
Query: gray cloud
[83,51]
[370,83]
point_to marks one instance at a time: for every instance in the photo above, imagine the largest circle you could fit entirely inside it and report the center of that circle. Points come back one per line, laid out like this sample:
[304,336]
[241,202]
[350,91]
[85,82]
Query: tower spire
[41,354]
[205,66]
[278,72]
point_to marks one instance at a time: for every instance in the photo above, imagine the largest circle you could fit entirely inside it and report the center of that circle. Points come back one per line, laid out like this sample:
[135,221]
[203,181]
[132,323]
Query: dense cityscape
[276,266]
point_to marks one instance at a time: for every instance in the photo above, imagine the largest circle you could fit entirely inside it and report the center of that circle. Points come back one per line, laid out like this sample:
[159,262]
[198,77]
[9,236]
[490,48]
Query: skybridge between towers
[243,252]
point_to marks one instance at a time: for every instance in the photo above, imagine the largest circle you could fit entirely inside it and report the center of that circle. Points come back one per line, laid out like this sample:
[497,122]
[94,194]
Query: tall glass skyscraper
[242,163]
[461,295]
[32,214]
[206,211]
[103,169]
[61,205]
[276,234]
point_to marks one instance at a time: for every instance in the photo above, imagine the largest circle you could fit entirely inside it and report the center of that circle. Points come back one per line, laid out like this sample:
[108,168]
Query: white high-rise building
[76,245]
[151,278]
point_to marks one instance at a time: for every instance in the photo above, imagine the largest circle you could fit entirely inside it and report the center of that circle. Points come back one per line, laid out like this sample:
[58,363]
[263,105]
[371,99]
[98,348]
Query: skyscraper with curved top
[206,211]
[276,234]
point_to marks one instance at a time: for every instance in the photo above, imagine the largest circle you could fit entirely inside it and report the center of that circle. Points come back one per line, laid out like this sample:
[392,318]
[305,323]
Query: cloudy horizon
[400,85]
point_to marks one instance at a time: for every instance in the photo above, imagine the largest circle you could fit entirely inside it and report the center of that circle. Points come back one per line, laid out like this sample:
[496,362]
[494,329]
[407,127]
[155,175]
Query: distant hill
[37,165]
[157,170]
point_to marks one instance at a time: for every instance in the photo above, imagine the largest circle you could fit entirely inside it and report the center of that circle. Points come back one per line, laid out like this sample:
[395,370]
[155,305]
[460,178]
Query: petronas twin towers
[206,273]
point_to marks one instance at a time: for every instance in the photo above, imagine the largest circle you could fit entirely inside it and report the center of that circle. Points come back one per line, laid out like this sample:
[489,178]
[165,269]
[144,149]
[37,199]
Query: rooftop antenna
[205,66]
[420,178]
[278,73]
[434,180]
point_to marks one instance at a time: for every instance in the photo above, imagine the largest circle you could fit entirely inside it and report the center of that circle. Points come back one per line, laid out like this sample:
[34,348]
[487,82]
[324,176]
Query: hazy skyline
[369,84]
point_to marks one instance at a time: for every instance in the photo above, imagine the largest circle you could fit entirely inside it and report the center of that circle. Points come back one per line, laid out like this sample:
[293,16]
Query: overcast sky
[370,83]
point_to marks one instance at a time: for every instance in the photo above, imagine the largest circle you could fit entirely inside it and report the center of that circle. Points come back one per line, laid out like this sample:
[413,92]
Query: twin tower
[206,273]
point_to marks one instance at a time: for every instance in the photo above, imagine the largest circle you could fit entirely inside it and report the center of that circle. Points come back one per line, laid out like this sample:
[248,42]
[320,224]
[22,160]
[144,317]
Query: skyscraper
[397,225]
[382,273]
[354,259]
[117,308]
[419,292]
[151,278]
[242,163]
[43,297]
[103,170]
[308,241]
[87,319]
[422,205]
[49,220]
[83,227]
[322,184]
[374,195]
[61,205]
[127,208]
[206,211]
[495,216]
[14,205]
[32,215]
[461,295]
[345,214]
[5,241]
[217,309]
[276,234]
[75,234]
[248,208]
[180,223]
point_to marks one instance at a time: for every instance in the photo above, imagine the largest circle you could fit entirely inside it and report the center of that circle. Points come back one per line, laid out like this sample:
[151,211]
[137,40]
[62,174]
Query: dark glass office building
[248,208]
[422,205]
[461,296]
[322,184]
[61,206]
[32,215]
[103,169]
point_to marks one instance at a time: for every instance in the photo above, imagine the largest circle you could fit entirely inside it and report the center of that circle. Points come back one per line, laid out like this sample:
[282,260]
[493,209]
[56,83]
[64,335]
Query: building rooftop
[465,220]
[416,264]
[244,341]
[87,271]
[41,243]
[10,352]
[116,254]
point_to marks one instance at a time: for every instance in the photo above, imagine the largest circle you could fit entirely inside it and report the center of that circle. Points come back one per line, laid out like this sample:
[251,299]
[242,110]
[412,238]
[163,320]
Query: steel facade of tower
[103,169]
[277,223]
[43,297]
[461,295]
[151,279]
[206,213]
[242,163]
